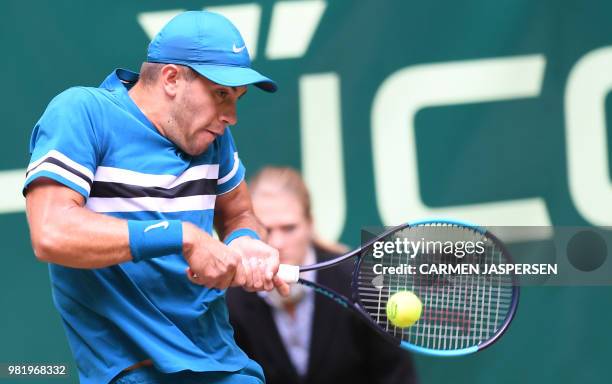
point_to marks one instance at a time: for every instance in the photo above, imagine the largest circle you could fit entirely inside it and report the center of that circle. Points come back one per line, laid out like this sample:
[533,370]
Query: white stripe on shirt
[154,204]
[125,176]
[229,176]
[54,168]
[64,159]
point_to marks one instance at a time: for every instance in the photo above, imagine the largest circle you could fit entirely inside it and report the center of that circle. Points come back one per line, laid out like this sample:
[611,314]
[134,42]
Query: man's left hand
[259,266]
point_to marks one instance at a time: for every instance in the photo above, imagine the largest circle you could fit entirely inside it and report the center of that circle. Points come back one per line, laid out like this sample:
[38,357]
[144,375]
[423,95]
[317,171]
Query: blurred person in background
[305,338]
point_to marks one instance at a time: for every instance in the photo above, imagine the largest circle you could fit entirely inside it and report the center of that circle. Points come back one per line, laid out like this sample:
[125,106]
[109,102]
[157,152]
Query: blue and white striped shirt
[97,142]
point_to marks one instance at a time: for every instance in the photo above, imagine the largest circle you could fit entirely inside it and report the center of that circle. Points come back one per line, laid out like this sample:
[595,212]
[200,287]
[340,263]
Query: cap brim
[231,76]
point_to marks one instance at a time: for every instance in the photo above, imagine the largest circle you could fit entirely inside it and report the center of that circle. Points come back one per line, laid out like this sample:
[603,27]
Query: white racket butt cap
[289,273]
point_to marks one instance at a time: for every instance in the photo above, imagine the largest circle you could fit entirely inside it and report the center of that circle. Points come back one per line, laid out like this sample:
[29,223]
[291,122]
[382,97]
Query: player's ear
[170,74]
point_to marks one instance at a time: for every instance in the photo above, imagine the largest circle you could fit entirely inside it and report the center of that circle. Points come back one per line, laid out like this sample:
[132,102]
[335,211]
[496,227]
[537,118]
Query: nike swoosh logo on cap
[238,50]
[163,224]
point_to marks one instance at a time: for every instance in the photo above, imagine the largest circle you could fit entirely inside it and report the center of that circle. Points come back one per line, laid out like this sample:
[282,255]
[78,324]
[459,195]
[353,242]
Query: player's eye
[222,93]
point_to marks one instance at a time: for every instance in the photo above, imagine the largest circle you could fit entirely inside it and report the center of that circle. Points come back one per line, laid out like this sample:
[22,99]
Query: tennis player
[124,185]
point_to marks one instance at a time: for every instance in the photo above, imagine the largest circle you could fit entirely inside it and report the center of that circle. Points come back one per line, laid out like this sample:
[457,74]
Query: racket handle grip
[288,273]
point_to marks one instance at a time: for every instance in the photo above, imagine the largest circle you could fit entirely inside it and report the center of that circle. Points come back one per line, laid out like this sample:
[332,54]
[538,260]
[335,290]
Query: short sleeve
[231,170]
[63,145]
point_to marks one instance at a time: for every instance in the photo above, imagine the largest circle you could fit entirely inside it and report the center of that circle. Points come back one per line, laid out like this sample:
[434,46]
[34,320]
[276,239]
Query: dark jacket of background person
[343,348]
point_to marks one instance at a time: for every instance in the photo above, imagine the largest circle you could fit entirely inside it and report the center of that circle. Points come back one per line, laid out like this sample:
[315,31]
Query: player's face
[201,112]
[289,230]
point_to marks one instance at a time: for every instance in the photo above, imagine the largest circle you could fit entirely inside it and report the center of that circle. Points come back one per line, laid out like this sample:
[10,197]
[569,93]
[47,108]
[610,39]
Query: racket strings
[459,310]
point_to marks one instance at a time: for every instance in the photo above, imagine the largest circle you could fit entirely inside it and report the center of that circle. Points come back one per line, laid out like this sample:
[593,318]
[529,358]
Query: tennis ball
[404,309]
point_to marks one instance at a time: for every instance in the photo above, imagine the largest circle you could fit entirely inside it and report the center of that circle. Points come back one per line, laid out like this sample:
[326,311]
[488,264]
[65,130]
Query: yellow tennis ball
[404,309]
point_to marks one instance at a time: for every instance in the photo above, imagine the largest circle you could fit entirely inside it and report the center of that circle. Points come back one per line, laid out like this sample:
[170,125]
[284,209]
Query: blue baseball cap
[209,44]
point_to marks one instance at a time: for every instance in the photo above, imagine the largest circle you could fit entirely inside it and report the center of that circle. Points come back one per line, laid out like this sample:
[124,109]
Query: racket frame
[356,306]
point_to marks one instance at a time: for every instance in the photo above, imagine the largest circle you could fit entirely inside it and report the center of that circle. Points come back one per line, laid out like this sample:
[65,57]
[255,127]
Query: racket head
[462,314]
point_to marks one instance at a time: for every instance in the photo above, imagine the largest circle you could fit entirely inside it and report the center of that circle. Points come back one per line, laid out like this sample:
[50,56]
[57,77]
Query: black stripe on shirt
[53,160]
[188,188]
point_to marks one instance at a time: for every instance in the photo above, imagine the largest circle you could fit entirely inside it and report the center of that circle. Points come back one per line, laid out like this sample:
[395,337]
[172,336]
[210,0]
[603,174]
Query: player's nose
[228,115]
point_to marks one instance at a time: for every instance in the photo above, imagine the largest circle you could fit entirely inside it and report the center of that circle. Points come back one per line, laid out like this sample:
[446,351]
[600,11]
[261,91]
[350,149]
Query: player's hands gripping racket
[462,313]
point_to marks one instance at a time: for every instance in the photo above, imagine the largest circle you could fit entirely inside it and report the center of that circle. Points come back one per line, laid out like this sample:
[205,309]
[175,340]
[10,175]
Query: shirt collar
[119,83]
[120,77]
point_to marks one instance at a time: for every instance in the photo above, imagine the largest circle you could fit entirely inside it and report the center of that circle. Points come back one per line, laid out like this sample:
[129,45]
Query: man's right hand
[211,263]
[216,265]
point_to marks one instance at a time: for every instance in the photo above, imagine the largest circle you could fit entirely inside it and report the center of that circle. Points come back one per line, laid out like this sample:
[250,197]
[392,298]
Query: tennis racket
[462,313]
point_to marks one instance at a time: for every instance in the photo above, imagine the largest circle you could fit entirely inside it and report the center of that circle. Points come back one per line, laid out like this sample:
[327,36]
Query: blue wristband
[239,233]
[154,238]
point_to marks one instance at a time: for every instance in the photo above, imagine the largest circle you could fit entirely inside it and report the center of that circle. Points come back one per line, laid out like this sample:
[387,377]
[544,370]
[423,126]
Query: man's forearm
[234,211]
[244,220]
[66,233]
[76,237]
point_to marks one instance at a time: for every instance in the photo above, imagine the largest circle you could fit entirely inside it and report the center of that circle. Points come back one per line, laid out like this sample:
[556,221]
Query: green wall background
[560,335]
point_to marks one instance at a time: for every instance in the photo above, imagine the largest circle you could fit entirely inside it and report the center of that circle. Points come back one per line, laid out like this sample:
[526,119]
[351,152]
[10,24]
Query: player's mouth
[215,133]
[212,134]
